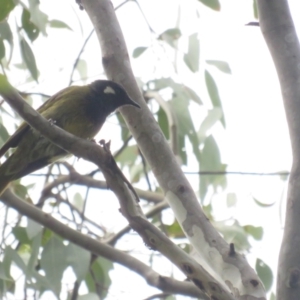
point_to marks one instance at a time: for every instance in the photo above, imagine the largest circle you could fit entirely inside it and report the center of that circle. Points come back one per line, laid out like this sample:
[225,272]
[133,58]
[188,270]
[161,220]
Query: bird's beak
[131,102]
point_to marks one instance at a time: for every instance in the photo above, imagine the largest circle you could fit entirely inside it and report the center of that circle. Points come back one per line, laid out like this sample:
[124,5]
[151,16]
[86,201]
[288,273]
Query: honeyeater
[80,110]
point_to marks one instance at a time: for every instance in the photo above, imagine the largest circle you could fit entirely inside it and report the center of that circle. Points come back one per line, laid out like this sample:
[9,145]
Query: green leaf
[138,51]
[265,273]
[33,228]
[213,4]
[214,94]
[261,204]
[30,28]
[193,95]
[39,18]
[59,24]
[6,33]
[78,201]
[79,259]
[6,6]
[174,230]
[163,122]
[221,65]
[29,59]
[20,234]
[99,282]
[171,36]
[255,232]
[192,57]
[180,104]
[34,253]
[211,161]
[2,49]
[53,262]
[233,233]
[128,156]
[213,115]
[255,10]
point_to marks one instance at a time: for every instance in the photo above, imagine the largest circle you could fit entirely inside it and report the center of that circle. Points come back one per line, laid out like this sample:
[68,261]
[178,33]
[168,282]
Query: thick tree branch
[180,195]
[279,32]
[165,284]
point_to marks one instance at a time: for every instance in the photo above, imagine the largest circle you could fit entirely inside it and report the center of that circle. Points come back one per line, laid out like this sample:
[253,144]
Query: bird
[80,110]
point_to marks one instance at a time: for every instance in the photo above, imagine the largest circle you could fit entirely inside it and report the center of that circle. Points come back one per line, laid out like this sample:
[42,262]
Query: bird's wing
[15,139]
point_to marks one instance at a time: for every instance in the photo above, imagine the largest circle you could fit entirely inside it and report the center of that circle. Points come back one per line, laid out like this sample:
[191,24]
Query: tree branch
[279,32]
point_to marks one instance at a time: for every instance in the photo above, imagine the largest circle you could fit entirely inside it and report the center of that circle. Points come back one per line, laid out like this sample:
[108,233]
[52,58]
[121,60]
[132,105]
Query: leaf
[213,115]
[213,4]
[29,59]
[180,104]
[53,262]
[59,24]
[99,282]
[128,156]
[6,33]
[214,94]
[191,58]
[261,204]
[170,36]
[6,6]
[82,68]
[20,234]
[78,201]
[30,28]
[255,10]
[2,49]
[233,233]
[33,228]
[256,232]
[163,122]
[79,259]
[138,51]
[39,18]
[265,273]
[193,95]
[221,65]
[211,161]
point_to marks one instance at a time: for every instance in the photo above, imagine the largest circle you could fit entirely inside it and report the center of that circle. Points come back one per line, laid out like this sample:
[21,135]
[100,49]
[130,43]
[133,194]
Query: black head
[111,94]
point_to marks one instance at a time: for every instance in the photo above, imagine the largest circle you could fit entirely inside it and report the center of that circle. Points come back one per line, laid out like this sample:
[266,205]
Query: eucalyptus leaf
[221,65]
[54,262]
[191,58]
[138,51]
[6,6]
[213,4]
[214,94]
[59,24]
[265,273]
[29,58]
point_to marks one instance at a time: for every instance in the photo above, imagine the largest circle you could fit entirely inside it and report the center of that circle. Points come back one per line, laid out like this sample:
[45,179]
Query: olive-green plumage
[80,110]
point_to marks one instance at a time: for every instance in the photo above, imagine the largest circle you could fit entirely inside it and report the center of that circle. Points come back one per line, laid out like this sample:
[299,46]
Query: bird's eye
[109,90]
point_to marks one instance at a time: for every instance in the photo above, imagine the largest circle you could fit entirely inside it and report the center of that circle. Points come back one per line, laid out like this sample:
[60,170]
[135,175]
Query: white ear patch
[109,90]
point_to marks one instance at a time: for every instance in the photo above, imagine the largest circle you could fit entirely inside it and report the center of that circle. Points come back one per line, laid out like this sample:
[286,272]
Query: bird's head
[111,94]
